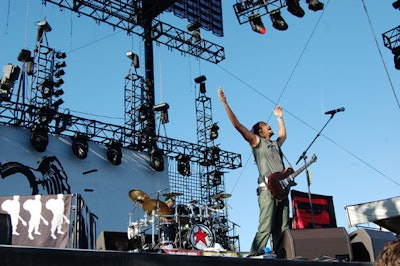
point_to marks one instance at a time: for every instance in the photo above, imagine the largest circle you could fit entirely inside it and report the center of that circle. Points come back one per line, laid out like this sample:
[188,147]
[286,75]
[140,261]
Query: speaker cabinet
[5,229]
[119,241]
[315,243]
[367,243]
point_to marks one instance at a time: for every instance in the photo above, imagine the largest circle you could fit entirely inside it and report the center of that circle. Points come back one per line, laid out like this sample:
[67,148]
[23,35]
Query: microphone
[332,112]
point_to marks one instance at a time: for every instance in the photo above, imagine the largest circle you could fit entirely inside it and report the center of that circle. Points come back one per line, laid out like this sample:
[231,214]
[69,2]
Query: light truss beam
[17,114]
[185,42]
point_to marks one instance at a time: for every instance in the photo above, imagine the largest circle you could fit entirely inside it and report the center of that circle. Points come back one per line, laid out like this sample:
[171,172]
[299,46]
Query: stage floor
[32,256]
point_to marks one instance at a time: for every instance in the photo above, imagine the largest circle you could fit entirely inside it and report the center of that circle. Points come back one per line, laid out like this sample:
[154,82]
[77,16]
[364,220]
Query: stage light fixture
[57,103]
[157,159]
[134,58]
[183,164]
[277,20]
[46,114]
[58,93]
[142,112]
[294,8]
[39,138]
[80,146]
[59,73]
[43,27]
[60,65]
[315,5]
[257,24]
[58,83]
[201,80]
[214,131]
[24,55]
[396,53]
[163,108]
[396,4]
[193,26]
[214,152]
[61,55]
[216,178]
[114,152]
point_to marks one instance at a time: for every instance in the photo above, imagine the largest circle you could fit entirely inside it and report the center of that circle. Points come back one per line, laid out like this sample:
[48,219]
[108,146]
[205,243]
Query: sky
[326,60]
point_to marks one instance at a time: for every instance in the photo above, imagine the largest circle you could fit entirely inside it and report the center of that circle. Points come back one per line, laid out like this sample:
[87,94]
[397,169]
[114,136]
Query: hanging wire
[380,54]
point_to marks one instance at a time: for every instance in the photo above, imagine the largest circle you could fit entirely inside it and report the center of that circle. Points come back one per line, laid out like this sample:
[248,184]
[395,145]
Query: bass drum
[201,237]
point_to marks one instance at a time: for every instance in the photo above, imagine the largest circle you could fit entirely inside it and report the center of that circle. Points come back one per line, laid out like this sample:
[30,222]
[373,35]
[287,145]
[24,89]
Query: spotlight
[60,64]
[315,5]
[57,103]
[61,55]
[193,26]
[114,153]
[214,131]
[257,24]
[216,178]
[157,159]
[39,138]
[59,73]
[214,152]
[294,8]
[277,21]
[201,80]
[396,52]
[24,55]
[43,27]
[46,114]
[58,93]
[58,83]
[142,112]
[163,108]
[183,164]
[134,57]
[396,4]
[80,146]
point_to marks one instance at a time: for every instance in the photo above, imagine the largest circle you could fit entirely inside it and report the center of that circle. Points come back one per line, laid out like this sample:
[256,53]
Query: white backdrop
[105,191]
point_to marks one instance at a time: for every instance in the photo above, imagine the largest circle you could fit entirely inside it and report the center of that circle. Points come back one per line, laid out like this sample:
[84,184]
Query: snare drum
[201,237]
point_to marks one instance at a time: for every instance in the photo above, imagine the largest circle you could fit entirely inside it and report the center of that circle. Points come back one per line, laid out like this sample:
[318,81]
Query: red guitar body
[275,185]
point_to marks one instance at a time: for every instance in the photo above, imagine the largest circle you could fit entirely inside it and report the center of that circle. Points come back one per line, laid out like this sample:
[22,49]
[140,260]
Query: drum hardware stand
[304,157]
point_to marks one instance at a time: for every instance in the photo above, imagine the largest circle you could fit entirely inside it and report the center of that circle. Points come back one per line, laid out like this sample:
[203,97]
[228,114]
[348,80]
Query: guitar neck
[301,169]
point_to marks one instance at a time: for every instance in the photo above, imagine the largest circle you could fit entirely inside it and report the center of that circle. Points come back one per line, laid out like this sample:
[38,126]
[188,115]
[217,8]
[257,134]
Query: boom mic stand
[304,157]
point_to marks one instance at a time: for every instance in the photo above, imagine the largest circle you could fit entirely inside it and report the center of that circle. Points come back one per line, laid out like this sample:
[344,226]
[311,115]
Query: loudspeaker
[367,243]
[119,241]
[315,243]
[5,229]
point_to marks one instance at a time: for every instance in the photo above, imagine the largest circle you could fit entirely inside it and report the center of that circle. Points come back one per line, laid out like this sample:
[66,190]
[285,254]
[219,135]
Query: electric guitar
[279,183]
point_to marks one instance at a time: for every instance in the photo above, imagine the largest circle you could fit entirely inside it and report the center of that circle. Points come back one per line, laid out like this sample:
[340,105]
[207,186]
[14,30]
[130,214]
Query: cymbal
[159,207]
[221,196]
[138,196]
[172,194]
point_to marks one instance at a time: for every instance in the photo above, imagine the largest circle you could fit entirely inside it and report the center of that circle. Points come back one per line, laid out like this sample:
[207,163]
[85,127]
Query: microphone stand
[304,157]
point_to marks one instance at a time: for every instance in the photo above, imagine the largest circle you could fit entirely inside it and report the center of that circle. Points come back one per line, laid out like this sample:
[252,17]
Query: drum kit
[190,226]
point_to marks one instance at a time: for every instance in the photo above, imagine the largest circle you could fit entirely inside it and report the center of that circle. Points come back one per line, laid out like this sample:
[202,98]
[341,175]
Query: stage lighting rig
[39,138]
[80,146]
[114,152]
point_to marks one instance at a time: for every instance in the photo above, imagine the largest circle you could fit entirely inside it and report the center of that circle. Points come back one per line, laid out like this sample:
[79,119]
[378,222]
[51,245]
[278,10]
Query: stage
[31,256]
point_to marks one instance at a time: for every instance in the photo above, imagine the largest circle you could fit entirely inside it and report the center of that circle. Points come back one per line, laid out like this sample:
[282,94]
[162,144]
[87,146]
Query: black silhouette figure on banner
[48,178]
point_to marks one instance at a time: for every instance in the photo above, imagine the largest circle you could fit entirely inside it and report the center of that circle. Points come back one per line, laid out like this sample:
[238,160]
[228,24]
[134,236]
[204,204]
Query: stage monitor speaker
[119,241]
[315,244]
[5,229]
[368,243]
